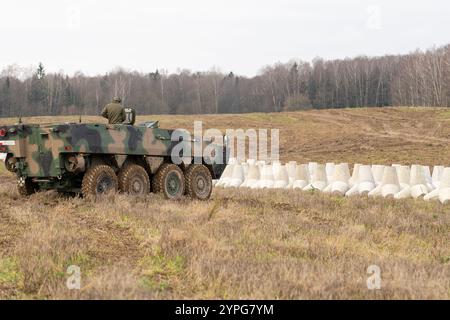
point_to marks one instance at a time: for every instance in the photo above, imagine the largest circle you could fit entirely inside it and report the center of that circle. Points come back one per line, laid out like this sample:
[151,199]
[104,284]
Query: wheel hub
[136,186]
[201,183]
[173,184]
[104,184]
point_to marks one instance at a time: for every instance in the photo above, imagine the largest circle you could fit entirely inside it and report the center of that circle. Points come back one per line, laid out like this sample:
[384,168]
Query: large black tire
[28,188]
[169,180]
[198,182]
[99,179]
[134,180]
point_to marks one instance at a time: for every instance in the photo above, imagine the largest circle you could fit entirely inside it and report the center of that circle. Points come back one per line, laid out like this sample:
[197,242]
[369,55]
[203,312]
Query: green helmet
[117,100]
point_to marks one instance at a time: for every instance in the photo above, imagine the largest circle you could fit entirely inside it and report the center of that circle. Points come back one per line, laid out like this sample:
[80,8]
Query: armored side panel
[112,139]
[46,153]
[41,147]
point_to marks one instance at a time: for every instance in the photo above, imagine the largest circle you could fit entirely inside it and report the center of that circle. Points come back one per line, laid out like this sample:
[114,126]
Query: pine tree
[40,72]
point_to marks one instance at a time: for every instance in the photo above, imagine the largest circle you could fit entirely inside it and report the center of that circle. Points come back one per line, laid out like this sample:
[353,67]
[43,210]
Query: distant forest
[421,78]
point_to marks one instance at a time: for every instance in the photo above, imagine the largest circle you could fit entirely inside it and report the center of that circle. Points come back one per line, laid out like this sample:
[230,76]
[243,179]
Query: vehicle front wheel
[99,179]
[169,180]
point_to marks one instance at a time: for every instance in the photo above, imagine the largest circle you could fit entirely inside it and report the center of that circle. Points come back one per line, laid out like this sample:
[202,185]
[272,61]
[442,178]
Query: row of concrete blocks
[397,181]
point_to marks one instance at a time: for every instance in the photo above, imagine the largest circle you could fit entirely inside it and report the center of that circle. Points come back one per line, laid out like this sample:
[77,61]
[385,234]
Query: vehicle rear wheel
[99,179]
[134,180]
[169,180]
[198,182]
[26,187]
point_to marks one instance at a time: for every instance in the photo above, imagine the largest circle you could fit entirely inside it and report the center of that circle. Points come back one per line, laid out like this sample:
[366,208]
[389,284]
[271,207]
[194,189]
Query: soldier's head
[117,100]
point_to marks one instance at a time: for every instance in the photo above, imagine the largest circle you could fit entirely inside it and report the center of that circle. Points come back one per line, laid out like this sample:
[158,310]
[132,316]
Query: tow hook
[21,181]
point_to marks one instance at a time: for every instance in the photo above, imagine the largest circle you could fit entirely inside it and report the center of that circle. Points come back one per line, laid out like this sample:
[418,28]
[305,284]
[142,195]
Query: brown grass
[252,244]
[363,135]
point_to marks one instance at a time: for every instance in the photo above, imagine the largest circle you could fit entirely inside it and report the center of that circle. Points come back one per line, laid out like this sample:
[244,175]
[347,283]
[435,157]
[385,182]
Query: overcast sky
[95,36]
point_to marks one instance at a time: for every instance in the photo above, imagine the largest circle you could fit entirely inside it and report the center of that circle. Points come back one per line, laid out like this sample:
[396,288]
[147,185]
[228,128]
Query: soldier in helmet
[114,111]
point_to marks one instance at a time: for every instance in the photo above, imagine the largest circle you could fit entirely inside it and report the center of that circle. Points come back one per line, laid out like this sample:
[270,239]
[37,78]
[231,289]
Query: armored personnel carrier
[91,159]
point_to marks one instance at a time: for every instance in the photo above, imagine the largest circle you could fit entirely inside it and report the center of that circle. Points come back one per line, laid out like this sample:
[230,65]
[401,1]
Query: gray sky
[95,36]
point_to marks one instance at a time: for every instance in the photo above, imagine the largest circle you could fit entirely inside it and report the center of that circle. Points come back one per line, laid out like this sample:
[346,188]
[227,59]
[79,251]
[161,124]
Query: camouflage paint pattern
[40,149]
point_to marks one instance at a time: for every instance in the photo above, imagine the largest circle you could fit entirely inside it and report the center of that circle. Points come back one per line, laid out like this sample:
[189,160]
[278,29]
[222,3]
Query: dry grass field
[255,244]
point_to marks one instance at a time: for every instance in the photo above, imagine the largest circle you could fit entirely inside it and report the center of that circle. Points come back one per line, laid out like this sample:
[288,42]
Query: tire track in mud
[352,136]
[368,123]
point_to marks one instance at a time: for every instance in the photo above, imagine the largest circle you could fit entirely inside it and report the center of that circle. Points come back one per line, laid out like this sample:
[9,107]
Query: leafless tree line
[421,78]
